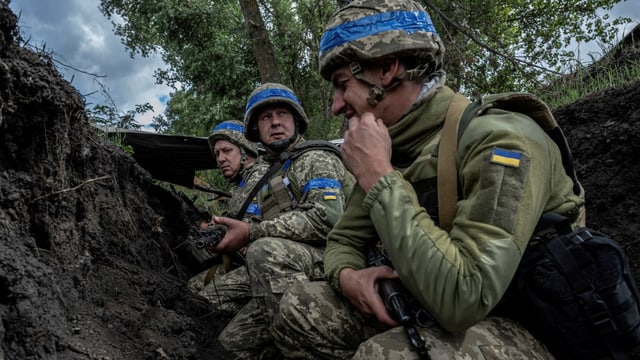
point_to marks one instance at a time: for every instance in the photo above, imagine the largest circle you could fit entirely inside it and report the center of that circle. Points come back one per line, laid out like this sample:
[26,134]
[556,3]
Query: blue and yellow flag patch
[505,157]
[329,196]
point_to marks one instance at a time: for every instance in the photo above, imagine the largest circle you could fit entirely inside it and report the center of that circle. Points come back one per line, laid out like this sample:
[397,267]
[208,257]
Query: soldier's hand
[243,250]
[204,225]
[237,235]
[366,150]
[361,288]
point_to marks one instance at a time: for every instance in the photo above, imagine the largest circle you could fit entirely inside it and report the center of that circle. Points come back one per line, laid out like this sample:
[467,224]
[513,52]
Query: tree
[513,45]
[207,49]
[218,51]
[262,48]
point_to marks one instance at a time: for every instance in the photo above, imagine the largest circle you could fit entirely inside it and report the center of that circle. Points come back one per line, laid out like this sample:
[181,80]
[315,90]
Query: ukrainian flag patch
[329,196]
[505,157]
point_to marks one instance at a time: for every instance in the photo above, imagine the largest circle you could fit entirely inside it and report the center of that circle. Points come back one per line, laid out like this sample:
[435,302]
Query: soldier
[300,203]
[228,289]
[235,157]
[384,59]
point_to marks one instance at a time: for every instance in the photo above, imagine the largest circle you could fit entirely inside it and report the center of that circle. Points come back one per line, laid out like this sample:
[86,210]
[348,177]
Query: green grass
[588,80]
[570,91]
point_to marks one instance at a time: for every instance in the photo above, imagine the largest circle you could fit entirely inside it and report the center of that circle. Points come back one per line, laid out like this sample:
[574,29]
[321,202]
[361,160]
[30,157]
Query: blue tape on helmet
[229,126]
[270,93]
[409,21]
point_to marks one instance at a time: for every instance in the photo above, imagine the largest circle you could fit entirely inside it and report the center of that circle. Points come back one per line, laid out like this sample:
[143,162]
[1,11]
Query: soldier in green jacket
[384,59]
[300,203]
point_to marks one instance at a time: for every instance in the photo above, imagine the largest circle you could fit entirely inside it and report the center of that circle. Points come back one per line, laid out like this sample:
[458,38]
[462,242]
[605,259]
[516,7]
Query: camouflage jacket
[314,181]
[250,176]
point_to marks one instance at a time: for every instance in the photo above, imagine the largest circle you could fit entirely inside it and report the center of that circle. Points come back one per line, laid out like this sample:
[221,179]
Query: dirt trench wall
[88,244]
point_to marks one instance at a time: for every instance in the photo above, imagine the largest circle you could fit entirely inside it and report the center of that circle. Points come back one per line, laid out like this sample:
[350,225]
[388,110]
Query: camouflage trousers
[316,322]
[228,292]
[274,264]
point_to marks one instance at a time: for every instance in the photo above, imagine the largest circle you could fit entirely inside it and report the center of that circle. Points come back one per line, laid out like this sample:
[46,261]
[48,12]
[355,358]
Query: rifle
[393,294]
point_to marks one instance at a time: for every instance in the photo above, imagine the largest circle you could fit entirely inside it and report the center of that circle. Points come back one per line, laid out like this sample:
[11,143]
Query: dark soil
[91,263]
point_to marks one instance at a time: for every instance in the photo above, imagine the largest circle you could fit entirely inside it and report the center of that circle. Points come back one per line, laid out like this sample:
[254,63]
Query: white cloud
[81,37]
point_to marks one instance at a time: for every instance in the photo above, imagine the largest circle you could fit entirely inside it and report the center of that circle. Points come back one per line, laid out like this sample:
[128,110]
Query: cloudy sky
[80,36]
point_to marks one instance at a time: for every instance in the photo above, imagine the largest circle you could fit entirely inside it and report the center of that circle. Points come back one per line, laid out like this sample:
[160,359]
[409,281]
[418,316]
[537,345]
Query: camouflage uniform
[320,324]
[229,290]
[300,204]
[459,276]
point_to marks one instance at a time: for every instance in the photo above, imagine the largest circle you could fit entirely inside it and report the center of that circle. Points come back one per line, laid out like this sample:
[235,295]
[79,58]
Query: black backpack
[573,289]
[575,292]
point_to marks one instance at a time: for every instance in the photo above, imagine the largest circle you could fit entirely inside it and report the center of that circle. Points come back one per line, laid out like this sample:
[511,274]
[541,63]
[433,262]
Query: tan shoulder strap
[447,167]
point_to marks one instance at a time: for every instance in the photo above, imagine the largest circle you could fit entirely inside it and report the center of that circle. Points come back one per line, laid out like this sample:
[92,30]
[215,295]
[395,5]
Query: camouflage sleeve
[347,239]
[250,176]
[320,176]
[236,200]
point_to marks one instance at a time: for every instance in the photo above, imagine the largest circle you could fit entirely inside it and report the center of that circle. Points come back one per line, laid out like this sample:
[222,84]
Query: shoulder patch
[329,196]
[505,157]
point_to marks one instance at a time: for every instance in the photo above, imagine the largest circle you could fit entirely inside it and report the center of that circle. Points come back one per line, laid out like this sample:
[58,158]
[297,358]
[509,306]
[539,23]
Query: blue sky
[79,35]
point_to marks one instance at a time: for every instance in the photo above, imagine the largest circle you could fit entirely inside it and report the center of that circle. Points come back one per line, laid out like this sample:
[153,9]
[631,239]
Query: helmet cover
[233,132]
[366,30]
[267,94]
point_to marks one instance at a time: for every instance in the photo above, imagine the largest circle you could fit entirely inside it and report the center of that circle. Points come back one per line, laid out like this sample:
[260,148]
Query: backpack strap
[460,114]
[532,106]
[447,168]
[314,145]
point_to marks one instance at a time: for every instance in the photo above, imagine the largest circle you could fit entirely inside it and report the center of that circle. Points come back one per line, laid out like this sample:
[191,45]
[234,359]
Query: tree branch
[513,60]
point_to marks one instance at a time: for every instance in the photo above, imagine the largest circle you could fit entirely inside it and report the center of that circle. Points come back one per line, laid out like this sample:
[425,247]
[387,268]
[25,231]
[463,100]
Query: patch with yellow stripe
[329,196]
[505,157]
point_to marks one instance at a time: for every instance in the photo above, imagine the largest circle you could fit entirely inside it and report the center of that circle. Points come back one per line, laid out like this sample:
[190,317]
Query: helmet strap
[243,159]
[281,145]
[376,92]
[416,73]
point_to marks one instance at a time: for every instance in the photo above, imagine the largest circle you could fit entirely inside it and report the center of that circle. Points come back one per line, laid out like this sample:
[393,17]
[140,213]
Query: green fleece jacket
[510,172]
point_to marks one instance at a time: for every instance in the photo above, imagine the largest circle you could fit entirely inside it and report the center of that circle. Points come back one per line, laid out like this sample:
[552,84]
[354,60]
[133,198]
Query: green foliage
[208,53]
[214,179]
[491,46]
[108,116]
[189,113]
[495,46]
[296,30]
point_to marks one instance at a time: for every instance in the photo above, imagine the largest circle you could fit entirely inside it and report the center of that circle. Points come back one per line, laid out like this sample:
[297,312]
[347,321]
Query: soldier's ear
[390,68]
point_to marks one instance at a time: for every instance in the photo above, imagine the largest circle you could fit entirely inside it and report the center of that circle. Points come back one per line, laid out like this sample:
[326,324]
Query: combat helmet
[233,132]
[272,93]
[366,30]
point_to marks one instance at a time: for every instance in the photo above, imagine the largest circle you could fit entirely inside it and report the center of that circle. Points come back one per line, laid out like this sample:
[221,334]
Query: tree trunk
[262,47]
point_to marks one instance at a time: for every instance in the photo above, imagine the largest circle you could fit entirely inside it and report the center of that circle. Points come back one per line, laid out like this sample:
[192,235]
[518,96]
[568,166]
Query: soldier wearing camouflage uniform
[229,290]
[244,172]
[384,58]
[300,203]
